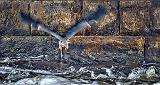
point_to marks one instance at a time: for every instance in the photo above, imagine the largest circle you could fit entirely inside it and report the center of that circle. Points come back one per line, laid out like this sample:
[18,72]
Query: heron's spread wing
[98,14]
[29,20]
[83,23]
[91,20]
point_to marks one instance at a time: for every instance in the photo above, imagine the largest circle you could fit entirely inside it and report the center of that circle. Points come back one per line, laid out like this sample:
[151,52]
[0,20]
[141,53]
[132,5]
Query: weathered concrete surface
[10,21]
[107,25]
[59,15]
[83,51]
[152,49]
[155,17]
[134,17]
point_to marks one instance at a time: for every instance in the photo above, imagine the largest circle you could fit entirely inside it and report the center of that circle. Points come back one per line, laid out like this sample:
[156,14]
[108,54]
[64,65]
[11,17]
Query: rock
[107,25]
[82,50]
[27,81]
[8,70]
[109,72]
[102,49]
[10,21]
[155,15]
[48,81]
[71,69]
[58,15]
[152,49]
[151,73]
[82,70]
[119,83]
[158,83]
[137,73]
[101,76]
[134,17]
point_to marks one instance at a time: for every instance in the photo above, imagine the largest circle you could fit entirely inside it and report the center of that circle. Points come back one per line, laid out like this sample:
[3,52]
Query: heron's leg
[63,46]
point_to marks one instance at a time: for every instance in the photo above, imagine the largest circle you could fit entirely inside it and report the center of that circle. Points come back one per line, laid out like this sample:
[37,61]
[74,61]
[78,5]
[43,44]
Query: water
[74,74]
[81,76]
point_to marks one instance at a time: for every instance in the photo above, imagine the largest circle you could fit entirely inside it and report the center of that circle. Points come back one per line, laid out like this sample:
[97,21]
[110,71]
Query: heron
[88,21]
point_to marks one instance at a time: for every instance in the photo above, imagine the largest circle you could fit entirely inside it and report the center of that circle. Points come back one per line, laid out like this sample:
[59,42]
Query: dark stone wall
[128,35]
[10,22]
[137,18]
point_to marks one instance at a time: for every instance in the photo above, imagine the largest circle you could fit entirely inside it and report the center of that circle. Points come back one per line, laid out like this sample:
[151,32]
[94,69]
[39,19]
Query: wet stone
[19,46]
[10,21]
[153,49]
[42,52]
[155,10]
[108,25]
[53,80]
[57,15]
[39,52]
[108,50]
[135,18]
